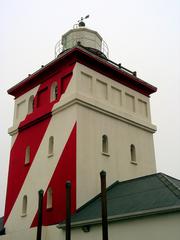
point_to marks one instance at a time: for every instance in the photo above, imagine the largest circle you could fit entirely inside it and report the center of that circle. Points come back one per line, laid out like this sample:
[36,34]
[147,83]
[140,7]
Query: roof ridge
[137,178]
[96,197]
[110,187]
[171,177]
[169,184]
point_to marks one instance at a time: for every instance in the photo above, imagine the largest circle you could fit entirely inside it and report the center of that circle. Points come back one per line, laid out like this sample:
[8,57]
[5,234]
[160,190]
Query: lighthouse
[76,116]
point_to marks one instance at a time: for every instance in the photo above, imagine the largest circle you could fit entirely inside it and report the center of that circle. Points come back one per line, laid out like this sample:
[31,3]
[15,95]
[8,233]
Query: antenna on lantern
[81,21]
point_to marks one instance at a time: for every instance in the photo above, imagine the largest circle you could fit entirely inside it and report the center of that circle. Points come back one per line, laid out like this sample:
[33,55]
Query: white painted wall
[48,233]
[162,227]
[99,114]
[62,121]
[21,106]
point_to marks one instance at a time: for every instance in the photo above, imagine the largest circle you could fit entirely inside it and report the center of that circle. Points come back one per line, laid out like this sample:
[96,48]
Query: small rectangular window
[49,198]
[133,154]
[51,146]
[105,146]
[24,206]
[54,91]
[27,155]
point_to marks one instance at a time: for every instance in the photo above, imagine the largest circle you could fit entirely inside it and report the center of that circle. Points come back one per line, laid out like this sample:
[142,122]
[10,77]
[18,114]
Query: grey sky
[143,35]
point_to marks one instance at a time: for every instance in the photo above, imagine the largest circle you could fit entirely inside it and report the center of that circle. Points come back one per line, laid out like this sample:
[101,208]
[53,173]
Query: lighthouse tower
[77,115]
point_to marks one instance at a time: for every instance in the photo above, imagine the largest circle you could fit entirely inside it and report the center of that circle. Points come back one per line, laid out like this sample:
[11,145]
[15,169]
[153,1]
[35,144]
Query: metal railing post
[104,206]
[68,210]
[40,214]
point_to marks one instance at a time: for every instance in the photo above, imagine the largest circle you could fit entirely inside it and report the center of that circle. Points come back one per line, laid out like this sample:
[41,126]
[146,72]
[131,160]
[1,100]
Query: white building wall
[41,170]
[43,166]
[20,112]
[162,227]
[21,106]
[29,234]
[48,233]
[107,107]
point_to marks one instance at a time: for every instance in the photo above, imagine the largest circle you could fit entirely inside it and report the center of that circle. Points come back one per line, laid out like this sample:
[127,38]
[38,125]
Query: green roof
[152,194]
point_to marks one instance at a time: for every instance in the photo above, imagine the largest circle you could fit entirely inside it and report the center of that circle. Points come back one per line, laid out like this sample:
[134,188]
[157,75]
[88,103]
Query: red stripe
[65,170]
[31,135]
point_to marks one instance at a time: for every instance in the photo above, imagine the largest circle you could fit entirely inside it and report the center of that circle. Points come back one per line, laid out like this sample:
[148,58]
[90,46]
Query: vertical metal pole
[104,206]
[40,211]
[68,210]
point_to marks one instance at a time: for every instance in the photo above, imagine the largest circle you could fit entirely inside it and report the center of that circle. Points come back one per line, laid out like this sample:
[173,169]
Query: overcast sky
[143,35]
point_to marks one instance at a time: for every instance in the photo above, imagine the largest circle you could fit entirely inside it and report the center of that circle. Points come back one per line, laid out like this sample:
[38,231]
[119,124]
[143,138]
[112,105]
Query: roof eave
[25,81]
[81,51]
[116,218]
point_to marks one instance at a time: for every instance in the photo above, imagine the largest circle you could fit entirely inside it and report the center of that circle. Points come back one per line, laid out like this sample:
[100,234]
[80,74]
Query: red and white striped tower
[77,115]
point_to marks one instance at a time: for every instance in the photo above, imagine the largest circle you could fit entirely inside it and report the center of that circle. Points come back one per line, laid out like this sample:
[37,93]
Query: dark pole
[68,210]
[40,211]
[104,206]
